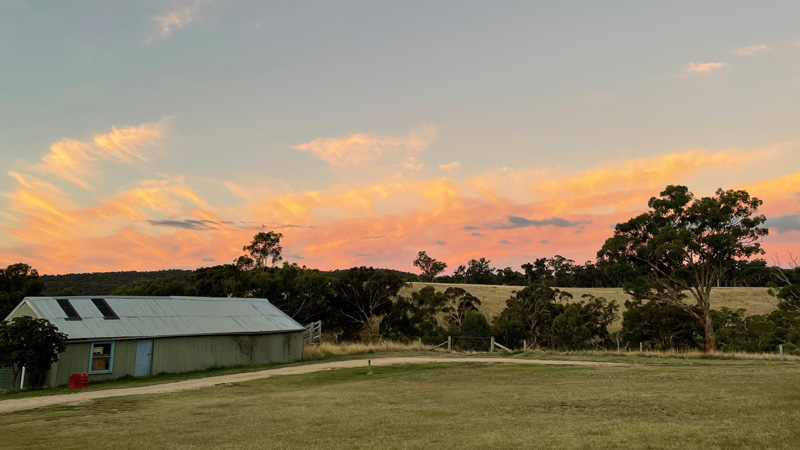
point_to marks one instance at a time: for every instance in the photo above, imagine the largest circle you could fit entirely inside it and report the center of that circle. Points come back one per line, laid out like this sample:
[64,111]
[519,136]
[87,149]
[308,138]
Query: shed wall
[23,310]
[183,354]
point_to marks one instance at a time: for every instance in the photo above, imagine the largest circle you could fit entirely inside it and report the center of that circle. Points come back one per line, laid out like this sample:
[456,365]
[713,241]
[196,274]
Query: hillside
[493,298]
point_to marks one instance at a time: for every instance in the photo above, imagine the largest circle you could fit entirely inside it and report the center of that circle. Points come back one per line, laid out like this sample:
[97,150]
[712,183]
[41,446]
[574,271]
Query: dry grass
[328,349]
[714,405]
[493,298]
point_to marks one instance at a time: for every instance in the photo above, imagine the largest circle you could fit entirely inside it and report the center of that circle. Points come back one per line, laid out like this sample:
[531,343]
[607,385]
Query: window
[68,309]
[102,357]
[105,309]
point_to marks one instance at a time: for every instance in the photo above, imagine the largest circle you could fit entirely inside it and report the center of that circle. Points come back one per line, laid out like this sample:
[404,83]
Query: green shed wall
[23,310]
[182,354]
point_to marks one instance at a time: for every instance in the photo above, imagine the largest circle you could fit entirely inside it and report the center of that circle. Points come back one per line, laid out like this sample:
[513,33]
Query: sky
[165,134]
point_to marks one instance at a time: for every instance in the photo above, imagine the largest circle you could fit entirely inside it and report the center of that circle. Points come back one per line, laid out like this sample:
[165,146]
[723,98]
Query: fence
[313,333]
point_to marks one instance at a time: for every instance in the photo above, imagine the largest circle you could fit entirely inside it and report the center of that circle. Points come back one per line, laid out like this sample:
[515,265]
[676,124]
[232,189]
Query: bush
[569,332]
[475,332]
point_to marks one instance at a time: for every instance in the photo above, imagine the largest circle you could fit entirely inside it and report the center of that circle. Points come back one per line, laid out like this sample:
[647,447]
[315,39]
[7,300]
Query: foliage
[661,326]
[430,267]
[168,285]
[264,246]
[686,245]
[31,343]
[17,281]
[534,306]
[364,294]
[458,303]
[569,332]
[475,330]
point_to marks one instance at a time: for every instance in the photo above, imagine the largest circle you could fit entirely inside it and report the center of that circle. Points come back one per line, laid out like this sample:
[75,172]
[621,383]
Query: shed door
[144,358]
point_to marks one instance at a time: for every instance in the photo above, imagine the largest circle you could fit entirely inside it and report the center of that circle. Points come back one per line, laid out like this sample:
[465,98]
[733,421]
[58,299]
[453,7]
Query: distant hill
[103,283]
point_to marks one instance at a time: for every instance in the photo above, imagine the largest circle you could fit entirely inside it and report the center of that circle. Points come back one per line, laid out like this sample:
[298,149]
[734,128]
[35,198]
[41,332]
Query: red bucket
[78,381]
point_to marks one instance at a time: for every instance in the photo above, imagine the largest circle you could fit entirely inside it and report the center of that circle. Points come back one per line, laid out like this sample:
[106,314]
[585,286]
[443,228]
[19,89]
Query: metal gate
[144,358]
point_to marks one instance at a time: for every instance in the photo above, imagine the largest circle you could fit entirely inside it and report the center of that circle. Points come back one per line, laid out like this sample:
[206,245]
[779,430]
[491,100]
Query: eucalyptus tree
[679,249]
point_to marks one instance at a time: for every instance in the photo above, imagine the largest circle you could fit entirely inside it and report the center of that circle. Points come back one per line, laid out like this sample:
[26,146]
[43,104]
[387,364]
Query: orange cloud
[703,68]
[361,148]
[752,50]
[74,160]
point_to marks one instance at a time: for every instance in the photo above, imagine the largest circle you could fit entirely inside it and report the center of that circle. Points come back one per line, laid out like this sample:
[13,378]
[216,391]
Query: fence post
[491,345]
[420,344]
[369,365]
[780,346]
[641,347]
[22,378]
[449,344]
[524,345]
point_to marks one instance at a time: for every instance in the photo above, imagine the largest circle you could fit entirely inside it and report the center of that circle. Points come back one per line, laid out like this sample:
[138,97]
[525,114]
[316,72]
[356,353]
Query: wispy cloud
[522,222]
[704,68]
[361,148]
[752,50]
[182,13]
[187,224]
[74,160]
[451,166]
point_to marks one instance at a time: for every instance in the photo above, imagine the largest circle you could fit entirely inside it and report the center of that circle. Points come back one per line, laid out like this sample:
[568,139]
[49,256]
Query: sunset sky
[164,134]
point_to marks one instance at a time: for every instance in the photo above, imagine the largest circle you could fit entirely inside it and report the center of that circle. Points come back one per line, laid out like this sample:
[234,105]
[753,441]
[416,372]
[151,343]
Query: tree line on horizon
[667,259]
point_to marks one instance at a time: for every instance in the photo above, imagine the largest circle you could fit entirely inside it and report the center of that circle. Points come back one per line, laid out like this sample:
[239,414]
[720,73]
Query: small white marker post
[491,345]
[780,346]
[449,344]
[524,345]
[641,347]
[420,344]
[22,378]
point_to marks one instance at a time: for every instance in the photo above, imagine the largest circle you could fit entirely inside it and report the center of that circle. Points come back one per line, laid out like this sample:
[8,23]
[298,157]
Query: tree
[364,293]
[569,332]
[17,281]
[475,329]
[535,306]
[430,267]
[31,343]
[458,303]
[478,271]
[686,244]
[265,245]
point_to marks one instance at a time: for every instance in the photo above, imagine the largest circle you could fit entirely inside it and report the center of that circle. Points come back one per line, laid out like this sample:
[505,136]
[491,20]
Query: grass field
[707,404]
[493,298]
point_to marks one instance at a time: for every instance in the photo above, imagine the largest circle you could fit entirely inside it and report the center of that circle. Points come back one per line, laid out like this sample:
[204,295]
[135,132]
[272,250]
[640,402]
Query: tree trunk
[710,341]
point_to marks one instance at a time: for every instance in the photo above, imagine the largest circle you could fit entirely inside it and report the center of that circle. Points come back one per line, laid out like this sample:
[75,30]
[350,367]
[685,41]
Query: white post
[779,346]
[22,378]
[420,344]
[491,345]
[641,347]
[524,345]
[449,344]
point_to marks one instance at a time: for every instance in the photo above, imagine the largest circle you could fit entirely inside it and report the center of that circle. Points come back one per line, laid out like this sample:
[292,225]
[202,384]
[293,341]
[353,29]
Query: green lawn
[701,404]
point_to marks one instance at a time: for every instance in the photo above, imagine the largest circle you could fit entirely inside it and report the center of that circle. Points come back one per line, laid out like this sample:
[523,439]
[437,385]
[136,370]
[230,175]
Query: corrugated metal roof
[164,316]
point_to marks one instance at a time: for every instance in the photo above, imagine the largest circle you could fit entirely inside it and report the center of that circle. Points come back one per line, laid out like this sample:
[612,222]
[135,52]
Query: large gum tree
[676,252]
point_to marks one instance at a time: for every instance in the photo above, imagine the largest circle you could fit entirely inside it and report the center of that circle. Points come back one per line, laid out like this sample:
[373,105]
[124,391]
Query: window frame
[110,358]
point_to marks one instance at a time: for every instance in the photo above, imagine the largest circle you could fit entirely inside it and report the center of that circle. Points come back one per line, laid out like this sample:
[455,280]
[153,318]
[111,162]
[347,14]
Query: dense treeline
[103,283]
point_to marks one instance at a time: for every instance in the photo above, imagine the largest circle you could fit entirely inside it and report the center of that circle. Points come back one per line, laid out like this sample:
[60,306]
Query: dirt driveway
[21,404]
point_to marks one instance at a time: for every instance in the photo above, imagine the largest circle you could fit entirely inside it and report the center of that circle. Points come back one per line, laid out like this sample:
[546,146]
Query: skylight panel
[68,309]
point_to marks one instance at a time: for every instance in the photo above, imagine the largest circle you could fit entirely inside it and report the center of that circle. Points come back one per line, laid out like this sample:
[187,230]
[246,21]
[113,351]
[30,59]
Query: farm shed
[115,336]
